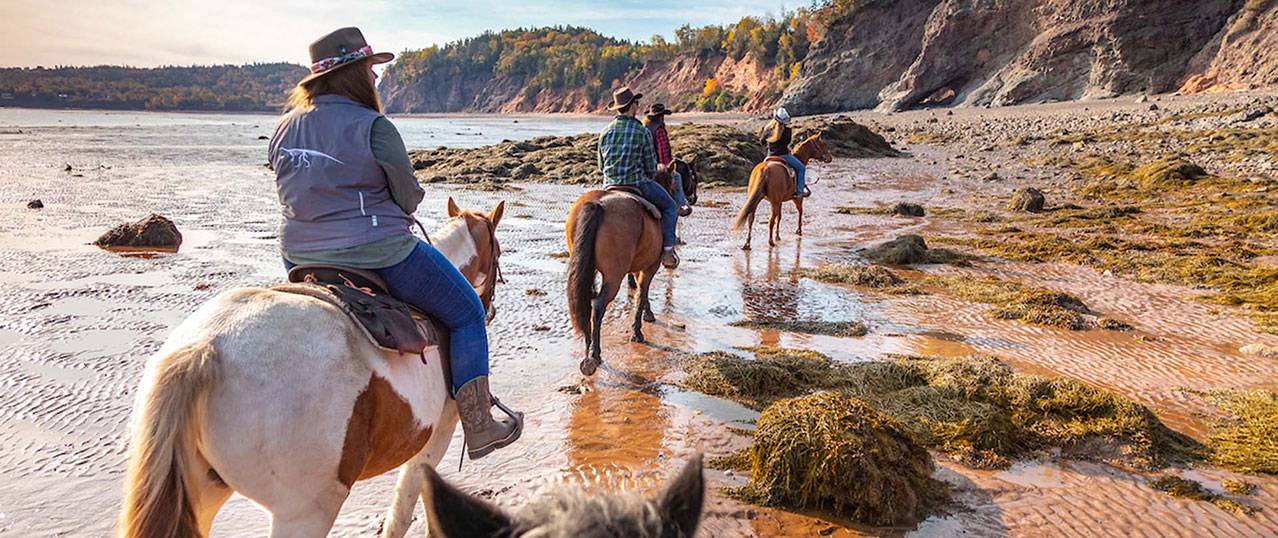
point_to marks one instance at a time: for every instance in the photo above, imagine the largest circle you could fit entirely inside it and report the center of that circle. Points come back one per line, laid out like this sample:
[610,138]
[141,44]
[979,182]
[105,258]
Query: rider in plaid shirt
[627,156]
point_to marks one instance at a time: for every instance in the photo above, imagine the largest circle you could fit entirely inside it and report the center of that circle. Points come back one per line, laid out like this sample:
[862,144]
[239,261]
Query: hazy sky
[180,32]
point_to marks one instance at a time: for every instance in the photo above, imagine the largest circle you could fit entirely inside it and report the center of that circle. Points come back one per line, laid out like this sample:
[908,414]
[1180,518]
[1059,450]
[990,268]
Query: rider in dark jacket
[777,138]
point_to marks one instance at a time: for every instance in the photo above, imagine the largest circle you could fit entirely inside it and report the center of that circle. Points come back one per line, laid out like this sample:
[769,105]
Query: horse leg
[599,305]
[778,209]
[411,475]
[798,204]
[630,281]
[643,309]
[774,220]
[308,517]
[749,232]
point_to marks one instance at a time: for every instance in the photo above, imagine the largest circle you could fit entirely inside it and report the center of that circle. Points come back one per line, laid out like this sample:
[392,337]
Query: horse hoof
[589,365]
[745,247]
[648,317]
[638,338]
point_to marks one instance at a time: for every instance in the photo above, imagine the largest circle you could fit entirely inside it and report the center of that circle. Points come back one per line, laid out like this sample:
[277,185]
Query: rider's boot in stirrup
[669,259]
[485,434]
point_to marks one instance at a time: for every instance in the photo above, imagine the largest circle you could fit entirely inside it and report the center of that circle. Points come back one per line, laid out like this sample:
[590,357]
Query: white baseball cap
[781,115]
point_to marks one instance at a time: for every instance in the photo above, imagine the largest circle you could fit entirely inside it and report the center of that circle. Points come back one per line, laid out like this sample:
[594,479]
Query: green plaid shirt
[626,152]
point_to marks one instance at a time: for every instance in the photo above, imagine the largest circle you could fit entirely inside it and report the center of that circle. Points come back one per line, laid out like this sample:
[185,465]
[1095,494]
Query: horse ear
[452,513]
[495,216]
[680,504]
[453,210]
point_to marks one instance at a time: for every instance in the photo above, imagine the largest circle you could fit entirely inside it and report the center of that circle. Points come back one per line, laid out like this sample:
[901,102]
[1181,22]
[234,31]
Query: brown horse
[614,236]
[772,179]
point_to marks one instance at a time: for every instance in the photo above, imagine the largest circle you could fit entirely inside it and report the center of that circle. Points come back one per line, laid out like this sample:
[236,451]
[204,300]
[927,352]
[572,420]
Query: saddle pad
[778,160]
[388,323]
[652,209]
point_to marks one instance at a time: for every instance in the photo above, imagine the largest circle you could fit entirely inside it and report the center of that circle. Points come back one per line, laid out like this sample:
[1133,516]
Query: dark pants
[653,192]
[429,282]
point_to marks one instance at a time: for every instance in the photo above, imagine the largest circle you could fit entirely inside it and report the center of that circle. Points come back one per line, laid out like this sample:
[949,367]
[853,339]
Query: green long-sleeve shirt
[392,156]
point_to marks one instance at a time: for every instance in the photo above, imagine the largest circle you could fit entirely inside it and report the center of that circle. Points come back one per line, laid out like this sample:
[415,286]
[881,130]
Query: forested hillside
[252,87]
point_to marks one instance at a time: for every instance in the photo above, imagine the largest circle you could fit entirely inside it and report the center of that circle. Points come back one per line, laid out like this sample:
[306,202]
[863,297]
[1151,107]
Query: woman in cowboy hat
[348,194]
[655,121]
[777,139]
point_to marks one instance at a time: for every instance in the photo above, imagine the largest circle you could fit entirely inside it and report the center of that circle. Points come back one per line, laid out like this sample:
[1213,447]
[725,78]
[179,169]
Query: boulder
[155,231]
[906,209]
[1027,199]
[903,250]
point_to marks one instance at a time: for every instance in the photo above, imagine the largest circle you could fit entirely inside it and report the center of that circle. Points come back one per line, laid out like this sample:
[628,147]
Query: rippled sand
[76,324]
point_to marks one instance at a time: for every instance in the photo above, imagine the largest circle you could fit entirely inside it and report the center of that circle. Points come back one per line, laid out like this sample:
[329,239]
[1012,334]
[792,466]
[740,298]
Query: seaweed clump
[833,452]
[1027,199]
[826,328]
[911,249]
[1188,489]
[1168,171]
[1015,301]
[1246,440]
[975,409]
[870,276]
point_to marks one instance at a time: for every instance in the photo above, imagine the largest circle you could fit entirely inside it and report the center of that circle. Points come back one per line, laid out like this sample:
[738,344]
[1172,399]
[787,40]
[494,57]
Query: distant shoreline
[105,108]
[679,117]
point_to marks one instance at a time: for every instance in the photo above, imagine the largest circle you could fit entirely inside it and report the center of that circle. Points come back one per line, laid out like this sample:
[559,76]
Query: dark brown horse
[613,236]
[688,171]
[772,179]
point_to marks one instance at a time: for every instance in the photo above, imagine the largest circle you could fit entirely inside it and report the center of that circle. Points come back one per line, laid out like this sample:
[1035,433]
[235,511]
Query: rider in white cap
[777,139]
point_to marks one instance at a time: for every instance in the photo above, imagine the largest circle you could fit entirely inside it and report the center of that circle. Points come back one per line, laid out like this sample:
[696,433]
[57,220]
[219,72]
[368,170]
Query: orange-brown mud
[77,322]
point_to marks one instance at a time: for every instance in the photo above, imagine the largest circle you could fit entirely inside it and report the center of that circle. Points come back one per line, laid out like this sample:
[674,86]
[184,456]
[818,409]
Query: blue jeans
[429,282]
[656,194]
[680,198]
[799,171]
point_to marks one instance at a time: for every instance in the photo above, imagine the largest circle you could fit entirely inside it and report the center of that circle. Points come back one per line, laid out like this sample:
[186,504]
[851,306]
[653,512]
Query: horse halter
[493,276]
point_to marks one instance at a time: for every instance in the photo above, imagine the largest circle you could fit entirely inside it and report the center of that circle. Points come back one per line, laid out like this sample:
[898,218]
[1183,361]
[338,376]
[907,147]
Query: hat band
[329,63]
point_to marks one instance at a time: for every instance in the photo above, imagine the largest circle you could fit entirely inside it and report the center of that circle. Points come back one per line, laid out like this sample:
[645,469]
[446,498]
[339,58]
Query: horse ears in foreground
[681,501]
[495,216]
[453,210]
[452,513]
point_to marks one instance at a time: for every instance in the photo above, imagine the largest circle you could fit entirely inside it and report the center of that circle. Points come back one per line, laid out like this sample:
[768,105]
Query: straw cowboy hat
[341,47]
[623,97]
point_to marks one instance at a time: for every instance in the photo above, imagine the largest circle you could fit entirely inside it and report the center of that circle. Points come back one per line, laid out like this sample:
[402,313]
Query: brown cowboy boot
[485,434]
[669,259]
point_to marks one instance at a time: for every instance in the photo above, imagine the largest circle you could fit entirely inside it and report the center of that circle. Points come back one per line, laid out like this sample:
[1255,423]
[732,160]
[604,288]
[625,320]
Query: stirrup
[510,413]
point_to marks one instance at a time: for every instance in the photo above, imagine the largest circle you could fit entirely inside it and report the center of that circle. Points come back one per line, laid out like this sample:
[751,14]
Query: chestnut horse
[772,179]
[281,398]
[614,236]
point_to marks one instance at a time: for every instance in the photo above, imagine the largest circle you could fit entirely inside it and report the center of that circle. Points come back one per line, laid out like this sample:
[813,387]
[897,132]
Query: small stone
[35,204]
[1153,107]
[67,168]
[155,231]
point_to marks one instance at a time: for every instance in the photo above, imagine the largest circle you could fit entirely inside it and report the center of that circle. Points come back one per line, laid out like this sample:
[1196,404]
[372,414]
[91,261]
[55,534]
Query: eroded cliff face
[896,55]
[677,82]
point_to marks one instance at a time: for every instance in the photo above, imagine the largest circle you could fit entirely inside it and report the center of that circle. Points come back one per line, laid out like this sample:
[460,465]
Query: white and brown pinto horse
[280,398]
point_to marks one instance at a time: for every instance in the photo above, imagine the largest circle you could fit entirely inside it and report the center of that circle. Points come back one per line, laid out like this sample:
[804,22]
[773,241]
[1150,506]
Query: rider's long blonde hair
[776,131]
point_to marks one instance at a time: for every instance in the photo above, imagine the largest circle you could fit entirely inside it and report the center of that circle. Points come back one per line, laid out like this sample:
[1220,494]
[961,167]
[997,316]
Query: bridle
[488,288]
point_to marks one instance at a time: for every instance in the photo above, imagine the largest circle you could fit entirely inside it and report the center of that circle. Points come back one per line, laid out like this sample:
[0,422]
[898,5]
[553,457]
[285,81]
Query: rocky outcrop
[903,54]
[153,232]
[724,154]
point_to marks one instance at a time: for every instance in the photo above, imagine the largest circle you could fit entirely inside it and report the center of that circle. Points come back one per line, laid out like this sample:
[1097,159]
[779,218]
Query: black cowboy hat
[658,109]
[622,97]
[341,47]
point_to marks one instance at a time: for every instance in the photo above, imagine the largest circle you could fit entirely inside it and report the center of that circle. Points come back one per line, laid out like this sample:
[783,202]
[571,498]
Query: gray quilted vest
[333,192]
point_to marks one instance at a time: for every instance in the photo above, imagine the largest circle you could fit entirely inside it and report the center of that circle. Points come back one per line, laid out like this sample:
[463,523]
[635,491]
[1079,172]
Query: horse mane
[572,511]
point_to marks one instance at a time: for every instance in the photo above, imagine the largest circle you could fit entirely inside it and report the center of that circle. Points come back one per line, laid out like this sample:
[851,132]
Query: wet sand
[76,323]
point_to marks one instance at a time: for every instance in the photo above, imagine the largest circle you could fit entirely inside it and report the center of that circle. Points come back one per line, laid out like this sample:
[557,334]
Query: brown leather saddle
[389,323]
[632,192]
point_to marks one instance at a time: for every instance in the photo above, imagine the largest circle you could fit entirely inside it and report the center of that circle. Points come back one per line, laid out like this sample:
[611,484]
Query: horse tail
[581,266]
[757,191]
[165,421]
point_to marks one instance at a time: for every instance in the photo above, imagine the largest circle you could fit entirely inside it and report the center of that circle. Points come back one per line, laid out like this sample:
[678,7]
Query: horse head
[688,170]
[814,147]
[675,512]
[483,270]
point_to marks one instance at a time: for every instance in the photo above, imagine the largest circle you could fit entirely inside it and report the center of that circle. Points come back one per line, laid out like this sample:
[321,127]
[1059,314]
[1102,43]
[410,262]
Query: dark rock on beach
[35,204]
[155,231]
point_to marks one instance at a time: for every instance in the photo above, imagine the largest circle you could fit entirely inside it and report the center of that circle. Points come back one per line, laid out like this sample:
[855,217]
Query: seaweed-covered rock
[846,138]
[906,209]
[833,452]
[903,250]
[1168,171]
[1027,199]
[155,231]
[871,276]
